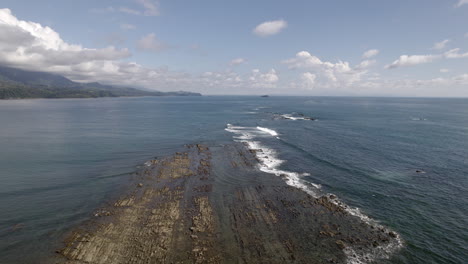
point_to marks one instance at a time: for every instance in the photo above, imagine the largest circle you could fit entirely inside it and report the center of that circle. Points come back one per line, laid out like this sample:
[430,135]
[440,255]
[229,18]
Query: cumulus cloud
[151,43]
[270,28]
[263,80]
[308,80]
[370,54]
[328,74]
[237,61]
[461,2]
[441,45]
[30,44]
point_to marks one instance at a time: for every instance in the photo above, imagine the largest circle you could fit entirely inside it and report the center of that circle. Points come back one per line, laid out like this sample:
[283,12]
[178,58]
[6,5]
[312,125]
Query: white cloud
[151,8]
[461,2]
[147,8]
[32,45]
[365,64]
[237,61]
[328,74]
[454,54]
[125,26]
[430,86]
[444,70]
[151,43]
[370,54]
[231,82]
[441,45]
[263,80]
[308,80]
[412,60]
[466,35]
[270,28]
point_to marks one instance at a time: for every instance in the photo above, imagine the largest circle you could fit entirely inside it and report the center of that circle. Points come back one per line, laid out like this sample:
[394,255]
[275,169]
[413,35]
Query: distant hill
[19,84]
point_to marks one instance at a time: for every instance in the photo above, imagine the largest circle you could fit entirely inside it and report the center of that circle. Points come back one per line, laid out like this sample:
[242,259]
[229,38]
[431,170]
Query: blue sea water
[61,159]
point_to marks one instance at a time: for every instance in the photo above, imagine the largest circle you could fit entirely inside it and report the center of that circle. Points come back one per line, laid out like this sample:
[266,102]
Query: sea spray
[269,131]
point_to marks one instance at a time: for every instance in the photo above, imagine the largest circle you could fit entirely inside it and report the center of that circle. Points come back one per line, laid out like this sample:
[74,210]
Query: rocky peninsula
[212,205]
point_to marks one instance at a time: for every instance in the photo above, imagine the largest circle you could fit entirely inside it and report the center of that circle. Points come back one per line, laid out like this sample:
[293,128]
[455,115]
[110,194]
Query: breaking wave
[269,162]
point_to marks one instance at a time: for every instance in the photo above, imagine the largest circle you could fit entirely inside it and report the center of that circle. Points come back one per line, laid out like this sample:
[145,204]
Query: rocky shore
[211,205]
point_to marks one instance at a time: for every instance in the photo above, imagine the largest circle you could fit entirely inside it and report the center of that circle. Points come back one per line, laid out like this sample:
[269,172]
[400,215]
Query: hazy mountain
[17,84]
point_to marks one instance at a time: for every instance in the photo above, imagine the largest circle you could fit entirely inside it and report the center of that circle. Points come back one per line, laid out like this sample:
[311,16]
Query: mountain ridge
[22,84]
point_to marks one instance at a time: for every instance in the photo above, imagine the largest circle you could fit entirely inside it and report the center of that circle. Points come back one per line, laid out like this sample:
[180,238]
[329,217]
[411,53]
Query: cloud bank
[327,74]
[411,60]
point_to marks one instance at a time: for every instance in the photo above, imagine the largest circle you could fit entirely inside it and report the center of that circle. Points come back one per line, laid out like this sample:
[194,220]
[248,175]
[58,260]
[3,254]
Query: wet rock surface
[211,205]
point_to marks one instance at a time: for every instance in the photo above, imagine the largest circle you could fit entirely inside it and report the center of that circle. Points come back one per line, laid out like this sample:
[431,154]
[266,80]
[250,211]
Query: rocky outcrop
[211,205]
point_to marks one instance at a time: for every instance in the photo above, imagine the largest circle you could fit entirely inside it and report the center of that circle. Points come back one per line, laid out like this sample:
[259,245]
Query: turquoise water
[61,159]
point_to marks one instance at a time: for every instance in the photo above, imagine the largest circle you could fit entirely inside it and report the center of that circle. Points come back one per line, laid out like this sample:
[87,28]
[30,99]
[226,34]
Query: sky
[301,47]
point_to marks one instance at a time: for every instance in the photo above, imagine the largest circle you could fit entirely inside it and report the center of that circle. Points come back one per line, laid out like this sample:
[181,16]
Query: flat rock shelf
[213,205]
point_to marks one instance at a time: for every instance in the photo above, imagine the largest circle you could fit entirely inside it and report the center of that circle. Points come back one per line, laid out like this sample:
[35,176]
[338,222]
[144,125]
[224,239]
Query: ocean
[400,162]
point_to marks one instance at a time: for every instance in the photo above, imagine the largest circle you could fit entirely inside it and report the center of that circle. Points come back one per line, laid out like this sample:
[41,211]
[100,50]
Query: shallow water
[60,159]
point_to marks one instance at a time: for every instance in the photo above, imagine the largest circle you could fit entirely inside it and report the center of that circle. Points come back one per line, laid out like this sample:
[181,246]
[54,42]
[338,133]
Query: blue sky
[306,47]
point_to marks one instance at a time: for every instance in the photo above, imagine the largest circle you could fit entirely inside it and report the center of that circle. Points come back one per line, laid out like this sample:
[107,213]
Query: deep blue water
[60,159]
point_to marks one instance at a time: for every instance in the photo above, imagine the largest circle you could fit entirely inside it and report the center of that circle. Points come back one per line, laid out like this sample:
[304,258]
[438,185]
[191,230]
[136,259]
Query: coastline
[209,205]
[98,97]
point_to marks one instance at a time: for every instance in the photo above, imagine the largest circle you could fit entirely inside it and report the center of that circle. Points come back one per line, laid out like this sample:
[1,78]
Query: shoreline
[213,205]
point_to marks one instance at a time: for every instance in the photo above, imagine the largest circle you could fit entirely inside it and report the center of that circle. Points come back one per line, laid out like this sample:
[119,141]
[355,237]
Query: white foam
[267,130]
[268,158]
[290,117]
[356,256]
[270,163]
